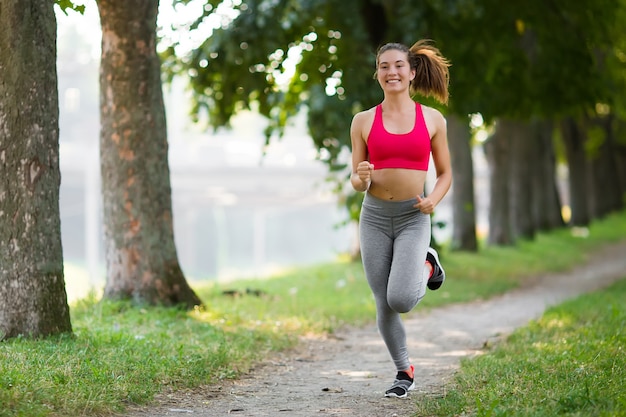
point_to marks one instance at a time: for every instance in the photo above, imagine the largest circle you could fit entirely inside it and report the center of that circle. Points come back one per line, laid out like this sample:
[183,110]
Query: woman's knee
[402,303]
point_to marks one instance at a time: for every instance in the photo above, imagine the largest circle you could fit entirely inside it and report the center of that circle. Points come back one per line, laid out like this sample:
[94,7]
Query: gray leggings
[394,240]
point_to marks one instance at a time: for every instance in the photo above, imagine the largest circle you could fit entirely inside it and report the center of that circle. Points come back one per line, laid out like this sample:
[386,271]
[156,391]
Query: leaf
[68,4]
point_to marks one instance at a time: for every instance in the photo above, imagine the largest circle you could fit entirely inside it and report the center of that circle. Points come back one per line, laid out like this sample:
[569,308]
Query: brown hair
[431,68]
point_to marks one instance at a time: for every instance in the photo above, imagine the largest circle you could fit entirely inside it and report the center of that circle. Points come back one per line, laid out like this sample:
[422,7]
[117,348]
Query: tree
[464,212]
[141,258]
[574,138]
[594,155]
[498,151]
[33,301]
[547,206]
[508,63]
[528,72]
[523,168]
[602,152]
[333,44]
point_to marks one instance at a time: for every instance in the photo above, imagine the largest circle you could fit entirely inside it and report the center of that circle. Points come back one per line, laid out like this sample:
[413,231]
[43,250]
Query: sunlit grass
[317,298]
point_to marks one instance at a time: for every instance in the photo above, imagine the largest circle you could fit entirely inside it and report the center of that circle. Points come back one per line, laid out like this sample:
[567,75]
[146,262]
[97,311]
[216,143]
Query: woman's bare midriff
[397,184]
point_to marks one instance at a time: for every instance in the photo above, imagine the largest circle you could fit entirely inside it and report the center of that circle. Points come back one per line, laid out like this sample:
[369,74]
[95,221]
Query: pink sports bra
[408,150]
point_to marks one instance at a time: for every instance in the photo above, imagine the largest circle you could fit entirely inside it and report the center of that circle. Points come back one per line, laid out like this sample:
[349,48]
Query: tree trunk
[463,207]
[523,167]
[497,150]
[574,141]
[141,259]
[547,210]
[33,301]
[606,187]
[620,156]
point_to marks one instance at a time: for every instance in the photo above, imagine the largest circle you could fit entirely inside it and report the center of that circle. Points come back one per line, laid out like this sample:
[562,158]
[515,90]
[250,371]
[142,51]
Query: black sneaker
[401,386]
[439,275]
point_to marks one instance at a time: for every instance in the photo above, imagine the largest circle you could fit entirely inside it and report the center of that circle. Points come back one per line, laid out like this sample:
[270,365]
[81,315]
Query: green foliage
[519,60]
[507,58]
[509,61]
[238,67]
[570,362]
[68,4]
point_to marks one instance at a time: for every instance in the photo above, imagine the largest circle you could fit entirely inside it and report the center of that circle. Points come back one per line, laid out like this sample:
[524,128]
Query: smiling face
[393,70]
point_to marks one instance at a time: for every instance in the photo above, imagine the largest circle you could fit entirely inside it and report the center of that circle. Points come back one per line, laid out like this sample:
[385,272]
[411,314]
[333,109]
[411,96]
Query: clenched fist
[364,171]
[425,205]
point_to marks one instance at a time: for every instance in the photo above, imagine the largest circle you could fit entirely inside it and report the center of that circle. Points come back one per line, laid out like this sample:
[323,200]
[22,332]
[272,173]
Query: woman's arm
[441,159]
[361,168]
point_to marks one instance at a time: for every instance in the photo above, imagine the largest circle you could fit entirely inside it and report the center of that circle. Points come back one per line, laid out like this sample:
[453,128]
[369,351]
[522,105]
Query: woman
[391,148]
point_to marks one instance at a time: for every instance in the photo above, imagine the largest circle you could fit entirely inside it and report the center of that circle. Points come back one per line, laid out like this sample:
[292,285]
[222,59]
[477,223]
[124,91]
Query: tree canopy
[509,59]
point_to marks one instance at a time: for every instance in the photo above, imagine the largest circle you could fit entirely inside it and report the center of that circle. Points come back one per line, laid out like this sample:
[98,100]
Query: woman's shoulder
[365,116]
[435,121]
[368,112]
[362,123]
[433,115]
[431,111]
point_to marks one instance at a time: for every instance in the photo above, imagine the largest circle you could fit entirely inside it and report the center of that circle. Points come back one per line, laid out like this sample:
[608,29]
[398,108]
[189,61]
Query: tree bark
[523,167]
[141,259]
[574,141]
[497,150]
[463,206]
[33,301]
[547,208]
[603,165]
[620,156]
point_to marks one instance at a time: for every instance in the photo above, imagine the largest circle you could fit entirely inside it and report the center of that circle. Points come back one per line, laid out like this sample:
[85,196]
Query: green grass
[571,362]
[121,355]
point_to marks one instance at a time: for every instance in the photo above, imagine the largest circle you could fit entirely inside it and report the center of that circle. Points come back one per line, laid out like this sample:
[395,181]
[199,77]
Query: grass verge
[120,355]
[571,362]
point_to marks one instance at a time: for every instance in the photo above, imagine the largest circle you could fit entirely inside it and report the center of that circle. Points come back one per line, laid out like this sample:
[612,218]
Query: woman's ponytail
[431,71]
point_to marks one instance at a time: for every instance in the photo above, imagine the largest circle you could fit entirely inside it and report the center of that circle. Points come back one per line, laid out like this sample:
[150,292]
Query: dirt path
[347,374]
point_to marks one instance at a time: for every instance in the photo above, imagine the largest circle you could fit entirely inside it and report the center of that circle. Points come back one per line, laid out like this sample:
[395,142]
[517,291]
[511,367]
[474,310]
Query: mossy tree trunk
[463,207]
[547,207]
[141,259]
[33,301]
[498,152]
[523,166]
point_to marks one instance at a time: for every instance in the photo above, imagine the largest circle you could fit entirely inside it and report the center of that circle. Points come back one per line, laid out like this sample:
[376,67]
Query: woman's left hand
[425,205]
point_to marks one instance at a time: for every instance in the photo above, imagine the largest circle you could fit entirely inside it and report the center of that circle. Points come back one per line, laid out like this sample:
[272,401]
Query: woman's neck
[397,103]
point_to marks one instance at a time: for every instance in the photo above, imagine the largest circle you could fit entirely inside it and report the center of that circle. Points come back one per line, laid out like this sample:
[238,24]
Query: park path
[347,373]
